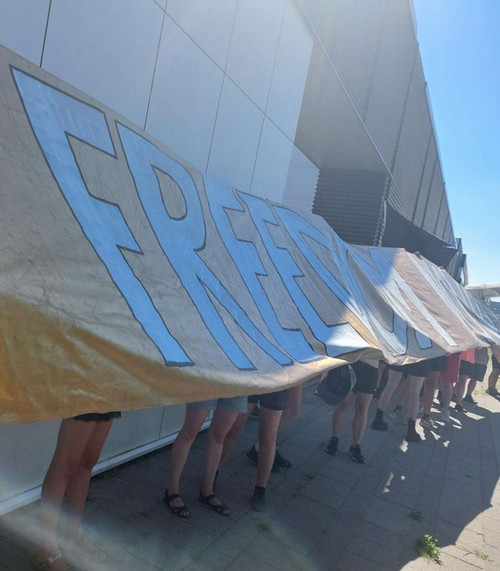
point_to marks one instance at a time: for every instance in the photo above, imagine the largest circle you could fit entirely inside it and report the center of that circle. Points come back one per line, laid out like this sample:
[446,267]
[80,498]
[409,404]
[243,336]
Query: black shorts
[366,378]
[478,372]
[272,401]
[496,364]
[98,416]
[466,368]
[420,369]
[439,363]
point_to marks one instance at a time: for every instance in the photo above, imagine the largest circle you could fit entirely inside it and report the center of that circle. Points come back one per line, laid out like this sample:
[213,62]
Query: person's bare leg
[222,422]
[392,384]
[293,405]
[460,388]
[72,440]
[471,387]
[235,432]
[429,390]
[362,405]
[414,386]
[339,415]
[195,416]
[78,484]
[492,380]
[268,431]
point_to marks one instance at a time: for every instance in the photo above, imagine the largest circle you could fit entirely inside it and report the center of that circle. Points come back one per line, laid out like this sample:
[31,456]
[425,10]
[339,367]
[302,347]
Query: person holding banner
[493,378]
[226,412]
[79,444]
[417,372]
[272,406]
[366,383]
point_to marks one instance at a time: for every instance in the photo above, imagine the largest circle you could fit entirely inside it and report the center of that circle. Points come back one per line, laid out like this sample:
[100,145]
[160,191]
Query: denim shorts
[234,404]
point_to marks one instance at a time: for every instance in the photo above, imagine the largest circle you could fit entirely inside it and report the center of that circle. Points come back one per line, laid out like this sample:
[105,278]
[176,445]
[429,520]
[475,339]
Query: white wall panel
[253,47]
[106,49]
[273,161]
[22,26]
[301,181]
[136,427]
[209,24]
[185,96]
[236,138]
[290,71]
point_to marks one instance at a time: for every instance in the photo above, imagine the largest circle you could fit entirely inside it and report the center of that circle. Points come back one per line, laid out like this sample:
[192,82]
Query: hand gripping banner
[130,280]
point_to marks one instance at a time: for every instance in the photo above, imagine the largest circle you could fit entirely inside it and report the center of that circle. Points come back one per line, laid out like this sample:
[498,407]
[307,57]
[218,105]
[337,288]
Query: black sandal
[181,511]
[221,509]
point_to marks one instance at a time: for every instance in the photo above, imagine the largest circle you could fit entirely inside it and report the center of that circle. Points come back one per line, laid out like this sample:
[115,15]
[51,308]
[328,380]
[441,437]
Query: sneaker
[445,415]
[259,501]
[281,461]
[468,398]
[459,408]
[398,416]
[379,424]
[253,456]
[413,436]
[427,422]
[356,455]
[332,446]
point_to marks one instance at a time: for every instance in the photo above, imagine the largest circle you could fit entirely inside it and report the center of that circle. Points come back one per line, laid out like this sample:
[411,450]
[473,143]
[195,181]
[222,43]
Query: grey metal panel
[425,184]
[434,201]
[350,202]
[391,80]
[412,147]
[352,42]
[442,219]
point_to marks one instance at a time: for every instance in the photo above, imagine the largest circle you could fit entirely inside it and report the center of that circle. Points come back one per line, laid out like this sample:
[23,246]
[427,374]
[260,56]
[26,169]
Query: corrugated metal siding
[442,219]
[434,201]
[350,202]
[356,28]
[425,185]
[391,79]
[412,147]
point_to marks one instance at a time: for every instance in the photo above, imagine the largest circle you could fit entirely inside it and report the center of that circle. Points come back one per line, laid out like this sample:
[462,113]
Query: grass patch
[265,526]
[417,515]
[427,548]
[476,552]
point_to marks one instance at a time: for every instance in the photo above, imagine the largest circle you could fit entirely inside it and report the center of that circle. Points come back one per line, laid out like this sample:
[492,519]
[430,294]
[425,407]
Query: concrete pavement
[325,513]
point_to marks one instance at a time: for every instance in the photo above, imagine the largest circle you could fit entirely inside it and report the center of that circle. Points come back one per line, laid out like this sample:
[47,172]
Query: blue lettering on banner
[338,339]
[181,239]
[244,254]
[54,116]
[391,285]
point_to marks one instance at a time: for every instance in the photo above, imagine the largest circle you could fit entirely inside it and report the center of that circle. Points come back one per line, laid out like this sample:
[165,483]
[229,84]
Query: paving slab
[324,513]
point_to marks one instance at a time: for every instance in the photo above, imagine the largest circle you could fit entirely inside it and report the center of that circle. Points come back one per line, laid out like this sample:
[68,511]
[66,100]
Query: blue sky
[460,48]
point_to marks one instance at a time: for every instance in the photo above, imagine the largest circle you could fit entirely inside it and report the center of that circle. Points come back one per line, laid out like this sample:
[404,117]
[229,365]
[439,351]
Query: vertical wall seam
[45,33]
[154,71]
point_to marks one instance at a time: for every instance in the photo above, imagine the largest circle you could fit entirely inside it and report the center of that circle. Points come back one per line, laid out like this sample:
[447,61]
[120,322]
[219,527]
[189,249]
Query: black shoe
[332,446]
[259,501]
[253,455]
[355,454]
[281,461]
[379,424]
[468,398]
[459,408]
[413,436]
[493,393]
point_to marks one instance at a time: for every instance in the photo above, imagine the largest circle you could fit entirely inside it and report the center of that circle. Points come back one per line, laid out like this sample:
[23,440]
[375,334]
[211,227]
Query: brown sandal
[181,511]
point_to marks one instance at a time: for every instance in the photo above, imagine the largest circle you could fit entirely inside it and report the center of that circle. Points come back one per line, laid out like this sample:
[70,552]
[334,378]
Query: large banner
[129,280]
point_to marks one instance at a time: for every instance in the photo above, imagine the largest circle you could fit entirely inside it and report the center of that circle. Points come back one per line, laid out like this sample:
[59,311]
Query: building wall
[373,50]
[259,93]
